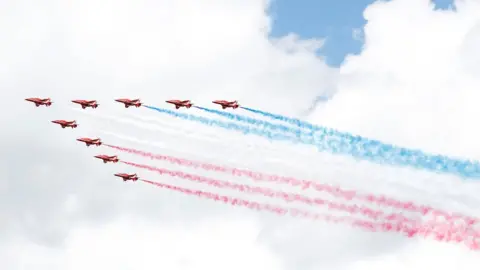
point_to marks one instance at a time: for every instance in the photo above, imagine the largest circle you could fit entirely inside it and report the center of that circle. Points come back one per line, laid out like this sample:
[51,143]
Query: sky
[339,23]
[414,83]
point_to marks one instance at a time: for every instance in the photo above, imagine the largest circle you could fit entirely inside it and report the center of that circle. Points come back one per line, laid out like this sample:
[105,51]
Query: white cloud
[136,244]
[414,83]
[421,256]
[61,209]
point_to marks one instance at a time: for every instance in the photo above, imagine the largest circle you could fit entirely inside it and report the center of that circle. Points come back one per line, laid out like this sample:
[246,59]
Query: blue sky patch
[339,22]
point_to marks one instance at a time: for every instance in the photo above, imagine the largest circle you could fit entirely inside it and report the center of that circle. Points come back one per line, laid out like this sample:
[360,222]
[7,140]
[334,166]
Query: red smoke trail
[305,184]
[288,197]
[408,229]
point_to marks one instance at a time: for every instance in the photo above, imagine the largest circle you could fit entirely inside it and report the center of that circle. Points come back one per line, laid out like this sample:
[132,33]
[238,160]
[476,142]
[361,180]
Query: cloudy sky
[339,23]
[403,71]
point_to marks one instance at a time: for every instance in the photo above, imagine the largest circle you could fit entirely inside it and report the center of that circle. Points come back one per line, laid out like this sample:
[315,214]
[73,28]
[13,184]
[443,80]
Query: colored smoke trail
[305,184]
[341,143]
[419,159]
[407,229]
[286,196]
[260,123]
[293,121]
[225,125]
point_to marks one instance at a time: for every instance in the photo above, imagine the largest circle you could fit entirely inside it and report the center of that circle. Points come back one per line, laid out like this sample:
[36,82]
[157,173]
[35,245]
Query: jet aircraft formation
[47,102]
[390,222]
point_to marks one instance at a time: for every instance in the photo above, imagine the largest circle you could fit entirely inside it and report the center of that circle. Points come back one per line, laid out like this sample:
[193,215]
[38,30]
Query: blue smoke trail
[292,121]
[225,125]
[304,124]
[354,146]
[261,123]
[411,157]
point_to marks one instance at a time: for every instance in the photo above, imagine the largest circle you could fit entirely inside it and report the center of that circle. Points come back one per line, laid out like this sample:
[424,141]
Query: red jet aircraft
[227,104]
[89,141]
[64,123]
[129,102]
[86,103]
[126,176]
[40,101]
[106,158]
[180,103]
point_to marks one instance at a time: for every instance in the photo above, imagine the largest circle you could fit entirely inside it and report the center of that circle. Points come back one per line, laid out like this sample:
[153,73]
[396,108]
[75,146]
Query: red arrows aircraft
[106,158]
[129,102]
[180,103]
[89,141]
[227,104]
[126,176]
[40,101]
[64,123]
[86,103]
